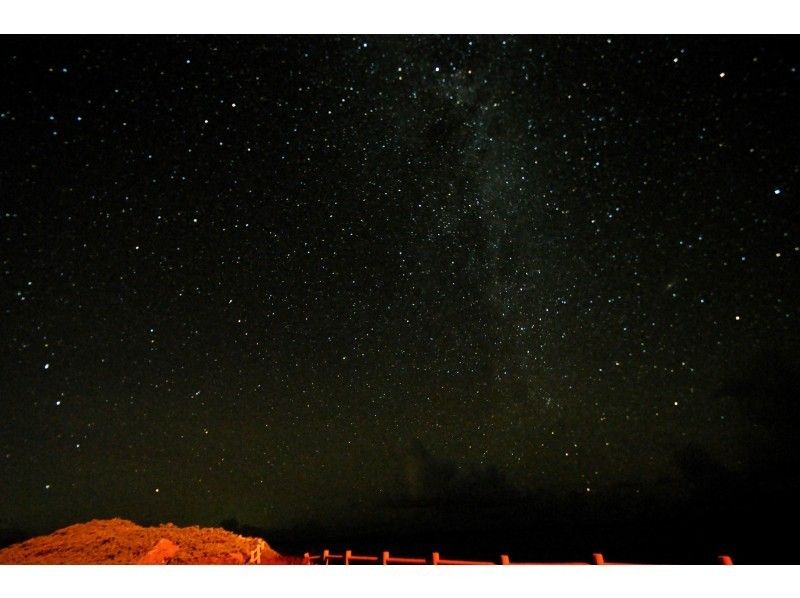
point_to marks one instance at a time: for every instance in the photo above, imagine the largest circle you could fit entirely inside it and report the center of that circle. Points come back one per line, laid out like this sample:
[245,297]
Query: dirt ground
[122,542]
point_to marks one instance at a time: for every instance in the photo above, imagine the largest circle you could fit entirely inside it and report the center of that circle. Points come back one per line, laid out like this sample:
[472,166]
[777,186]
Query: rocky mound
[120,542]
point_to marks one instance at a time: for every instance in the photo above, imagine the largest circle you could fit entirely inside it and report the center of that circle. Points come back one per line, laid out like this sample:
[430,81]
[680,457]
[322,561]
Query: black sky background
[479,291]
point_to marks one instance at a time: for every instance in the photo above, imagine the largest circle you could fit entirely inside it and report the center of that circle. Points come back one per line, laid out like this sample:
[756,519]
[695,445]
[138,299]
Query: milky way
[282,278]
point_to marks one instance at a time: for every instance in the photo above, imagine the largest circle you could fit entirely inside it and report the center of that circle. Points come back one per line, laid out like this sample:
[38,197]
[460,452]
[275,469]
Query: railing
[348,558]
[255,554]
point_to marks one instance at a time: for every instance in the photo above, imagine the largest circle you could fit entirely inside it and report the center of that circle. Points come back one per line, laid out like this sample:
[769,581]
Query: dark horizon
[431,292]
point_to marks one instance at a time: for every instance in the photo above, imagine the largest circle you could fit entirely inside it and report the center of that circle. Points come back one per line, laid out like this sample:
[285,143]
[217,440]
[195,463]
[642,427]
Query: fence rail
[348,558]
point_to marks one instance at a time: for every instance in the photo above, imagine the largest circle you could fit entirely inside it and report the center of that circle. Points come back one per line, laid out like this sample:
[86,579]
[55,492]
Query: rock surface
[118,541]
[161,553]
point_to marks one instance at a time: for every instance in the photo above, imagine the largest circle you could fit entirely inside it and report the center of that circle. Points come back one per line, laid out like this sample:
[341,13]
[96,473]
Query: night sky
[364,280]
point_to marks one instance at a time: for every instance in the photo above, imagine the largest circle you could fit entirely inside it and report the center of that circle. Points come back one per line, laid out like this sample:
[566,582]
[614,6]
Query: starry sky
[295,279]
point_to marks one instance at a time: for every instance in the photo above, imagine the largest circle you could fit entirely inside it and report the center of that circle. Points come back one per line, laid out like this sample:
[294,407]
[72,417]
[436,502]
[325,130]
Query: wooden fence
[348,558]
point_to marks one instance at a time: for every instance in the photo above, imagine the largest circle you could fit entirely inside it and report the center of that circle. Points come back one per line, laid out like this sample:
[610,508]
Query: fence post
[435,558]
[598,558]
[385,557]
[325,554]
[306,558]
[504,559]
[724,559]
[347,555]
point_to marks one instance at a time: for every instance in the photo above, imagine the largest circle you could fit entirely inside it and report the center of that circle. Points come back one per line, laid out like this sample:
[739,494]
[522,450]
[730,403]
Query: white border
[400,581]
[399,16]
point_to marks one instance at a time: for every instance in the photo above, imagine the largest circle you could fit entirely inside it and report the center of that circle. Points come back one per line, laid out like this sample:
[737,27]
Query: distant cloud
[428,481]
